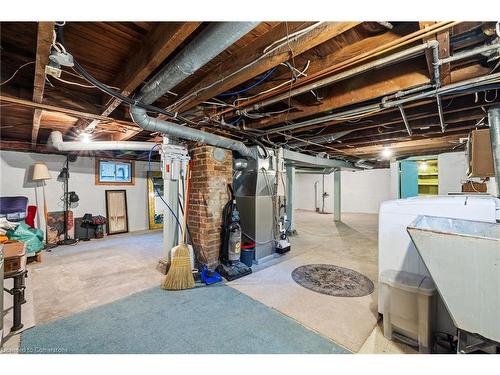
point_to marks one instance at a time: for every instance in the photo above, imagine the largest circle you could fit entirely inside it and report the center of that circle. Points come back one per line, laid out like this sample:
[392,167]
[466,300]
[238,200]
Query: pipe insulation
[494,122]
[56,140]
[202,49]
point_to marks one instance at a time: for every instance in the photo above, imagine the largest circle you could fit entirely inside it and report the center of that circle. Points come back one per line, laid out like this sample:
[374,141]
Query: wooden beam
[240,74]
[444,51]
[72,112]
[457,75]
[157,46]
[367,52]
[443,37]
[357,90]
[334,61]
[44,38]
[370,132]
[427,144]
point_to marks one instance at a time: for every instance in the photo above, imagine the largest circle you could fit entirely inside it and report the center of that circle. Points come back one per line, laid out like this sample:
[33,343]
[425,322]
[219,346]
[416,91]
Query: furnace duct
[56,141]
[214,40]
[494,122]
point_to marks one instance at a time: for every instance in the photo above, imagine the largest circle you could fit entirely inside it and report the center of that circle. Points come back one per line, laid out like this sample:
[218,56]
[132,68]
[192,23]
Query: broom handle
[184,217]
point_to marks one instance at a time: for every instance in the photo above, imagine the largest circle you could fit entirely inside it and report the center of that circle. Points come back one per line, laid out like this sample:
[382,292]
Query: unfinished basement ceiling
[274,63]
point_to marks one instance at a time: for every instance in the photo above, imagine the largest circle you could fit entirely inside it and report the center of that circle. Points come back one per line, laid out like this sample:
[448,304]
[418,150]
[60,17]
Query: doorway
[418,178]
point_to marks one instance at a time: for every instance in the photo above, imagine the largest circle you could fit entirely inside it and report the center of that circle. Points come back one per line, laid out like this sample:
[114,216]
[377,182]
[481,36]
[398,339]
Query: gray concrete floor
[76,278]
[351,243]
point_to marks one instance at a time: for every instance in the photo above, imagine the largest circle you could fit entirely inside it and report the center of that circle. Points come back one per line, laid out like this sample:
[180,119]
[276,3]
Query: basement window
[114,172]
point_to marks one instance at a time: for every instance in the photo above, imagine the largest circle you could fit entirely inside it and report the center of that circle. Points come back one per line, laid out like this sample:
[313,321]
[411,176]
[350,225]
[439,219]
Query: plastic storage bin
[409,308]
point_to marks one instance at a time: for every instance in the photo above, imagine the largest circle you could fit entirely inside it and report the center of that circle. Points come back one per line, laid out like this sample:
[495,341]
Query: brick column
[209,179]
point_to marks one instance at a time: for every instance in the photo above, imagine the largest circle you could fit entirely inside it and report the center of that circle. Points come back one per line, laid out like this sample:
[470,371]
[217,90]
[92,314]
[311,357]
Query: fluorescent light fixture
[386,153]
[85,138]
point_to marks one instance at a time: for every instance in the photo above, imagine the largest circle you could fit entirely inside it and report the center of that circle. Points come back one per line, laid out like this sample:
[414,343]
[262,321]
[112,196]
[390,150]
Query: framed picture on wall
[116,211]
[155,205]
[114,172]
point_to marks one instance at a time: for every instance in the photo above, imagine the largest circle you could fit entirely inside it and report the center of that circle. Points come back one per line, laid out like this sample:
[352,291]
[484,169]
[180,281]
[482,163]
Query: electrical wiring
[217,104]
[18,69]
[295,34]
[80,76]
[266,52]
[300,73]
[395,44]
[104,88]
[245,89]
[75,83]
[264,114]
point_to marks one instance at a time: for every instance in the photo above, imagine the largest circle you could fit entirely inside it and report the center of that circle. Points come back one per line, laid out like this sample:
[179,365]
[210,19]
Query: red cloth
[30,216]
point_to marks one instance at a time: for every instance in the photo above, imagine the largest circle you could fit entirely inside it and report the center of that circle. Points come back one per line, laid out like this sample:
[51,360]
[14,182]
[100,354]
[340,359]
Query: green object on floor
[215,319]
[32,237]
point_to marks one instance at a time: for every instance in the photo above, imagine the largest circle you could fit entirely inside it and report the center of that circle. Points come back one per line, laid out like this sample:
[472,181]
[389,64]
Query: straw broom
[180,274]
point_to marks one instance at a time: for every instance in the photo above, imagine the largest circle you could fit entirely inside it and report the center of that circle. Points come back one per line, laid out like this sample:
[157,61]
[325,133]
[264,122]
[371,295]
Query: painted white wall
[16,169]
[394,175]
[361,191]
[452,170]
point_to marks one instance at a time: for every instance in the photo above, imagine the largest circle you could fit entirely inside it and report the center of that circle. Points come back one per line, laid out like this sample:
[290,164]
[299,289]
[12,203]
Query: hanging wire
[18,69]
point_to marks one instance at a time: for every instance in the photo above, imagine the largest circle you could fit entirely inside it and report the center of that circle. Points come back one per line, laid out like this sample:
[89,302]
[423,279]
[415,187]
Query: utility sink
[463,259]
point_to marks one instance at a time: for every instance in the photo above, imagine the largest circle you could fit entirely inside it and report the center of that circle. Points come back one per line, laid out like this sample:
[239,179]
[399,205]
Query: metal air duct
[56,141]
[215,39]
[494,122]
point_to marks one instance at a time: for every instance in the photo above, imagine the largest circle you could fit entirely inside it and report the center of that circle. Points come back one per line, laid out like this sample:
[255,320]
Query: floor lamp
[41,174]
[68,198]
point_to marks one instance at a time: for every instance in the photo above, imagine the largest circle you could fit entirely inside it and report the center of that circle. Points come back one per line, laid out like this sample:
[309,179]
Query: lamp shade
[41,172]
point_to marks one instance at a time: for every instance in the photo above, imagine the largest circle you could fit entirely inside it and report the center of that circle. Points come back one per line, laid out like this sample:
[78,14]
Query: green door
[408,174]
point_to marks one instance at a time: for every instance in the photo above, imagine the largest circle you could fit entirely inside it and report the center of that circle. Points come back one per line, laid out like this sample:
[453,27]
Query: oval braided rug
[333,280]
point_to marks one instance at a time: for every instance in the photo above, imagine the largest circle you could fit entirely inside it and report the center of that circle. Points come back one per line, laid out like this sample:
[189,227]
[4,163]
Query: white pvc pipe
[56,141]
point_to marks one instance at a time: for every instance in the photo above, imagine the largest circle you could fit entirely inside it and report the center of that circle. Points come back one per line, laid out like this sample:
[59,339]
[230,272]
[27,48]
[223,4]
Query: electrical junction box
[52,71]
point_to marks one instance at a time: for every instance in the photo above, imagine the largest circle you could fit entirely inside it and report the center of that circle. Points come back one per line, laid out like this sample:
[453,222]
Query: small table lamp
[41,173]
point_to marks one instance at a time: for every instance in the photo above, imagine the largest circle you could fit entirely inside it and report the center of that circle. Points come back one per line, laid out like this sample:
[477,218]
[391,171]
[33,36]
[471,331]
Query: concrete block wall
[209,179]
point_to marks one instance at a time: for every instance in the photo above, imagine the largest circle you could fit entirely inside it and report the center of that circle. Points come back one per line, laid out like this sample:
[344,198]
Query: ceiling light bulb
[85,137]
[423,166]
[386,153]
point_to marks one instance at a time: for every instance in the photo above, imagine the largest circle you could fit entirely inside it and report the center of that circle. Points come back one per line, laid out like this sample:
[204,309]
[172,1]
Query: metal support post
[336,195]
[290,182]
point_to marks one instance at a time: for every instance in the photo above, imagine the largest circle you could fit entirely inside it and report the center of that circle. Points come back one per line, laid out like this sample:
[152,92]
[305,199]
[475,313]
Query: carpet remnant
[213,320]
[333,280]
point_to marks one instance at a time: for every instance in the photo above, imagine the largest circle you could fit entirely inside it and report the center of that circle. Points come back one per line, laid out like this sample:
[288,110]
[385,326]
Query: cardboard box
[474,187]
[480,154]
[13,252]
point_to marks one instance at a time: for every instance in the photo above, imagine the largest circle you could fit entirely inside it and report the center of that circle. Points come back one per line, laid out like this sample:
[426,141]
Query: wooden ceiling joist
[236,75]
[427,144]
[157,46]
[126,54]
[359,89]
[45,36]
